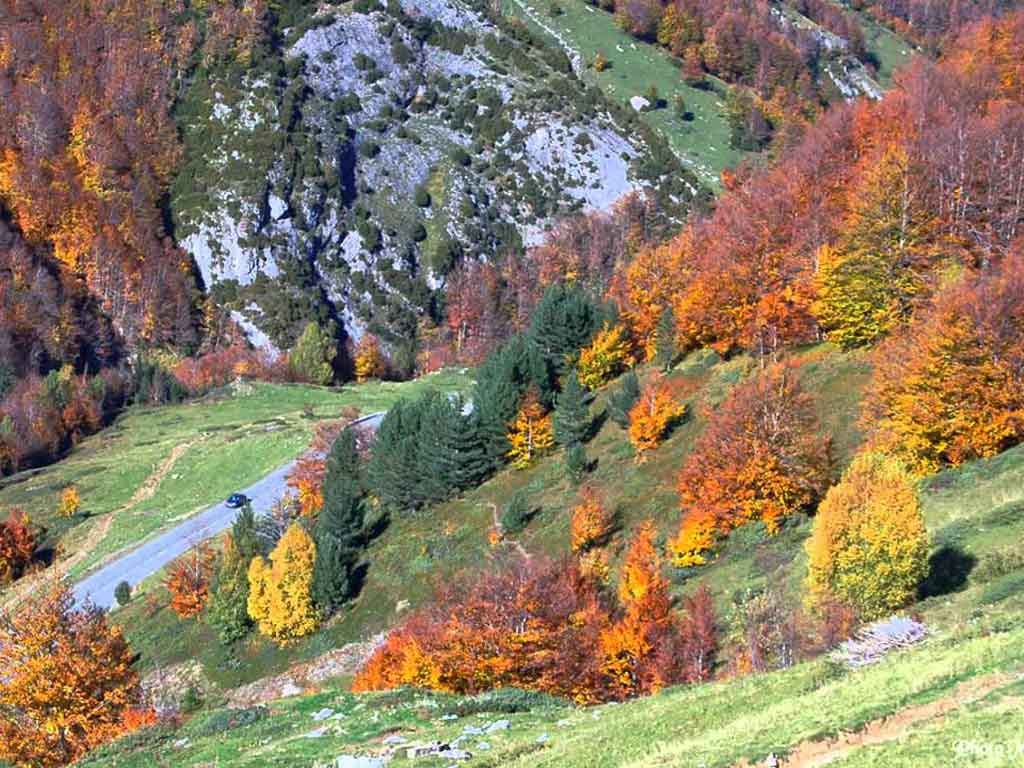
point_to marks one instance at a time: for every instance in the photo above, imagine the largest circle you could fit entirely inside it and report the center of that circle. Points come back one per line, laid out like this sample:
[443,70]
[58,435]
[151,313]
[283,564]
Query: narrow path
[501,529]
[147,559]
[813,754]
[99,530]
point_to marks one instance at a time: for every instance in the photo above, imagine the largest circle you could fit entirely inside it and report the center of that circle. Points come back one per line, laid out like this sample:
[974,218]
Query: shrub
[123,592]
[369,149]
[869,546]
[70,502]
[422,197]
[517,515]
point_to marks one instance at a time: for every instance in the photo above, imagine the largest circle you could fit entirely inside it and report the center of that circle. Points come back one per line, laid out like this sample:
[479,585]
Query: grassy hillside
[702,143]
[406,561]
[155,466]
[911,709]
[974,514]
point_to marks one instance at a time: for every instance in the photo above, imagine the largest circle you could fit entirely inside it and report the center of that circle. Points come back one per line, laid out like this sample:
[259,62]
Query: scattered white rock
[498,725]
[395,739]
[317,733]
[543,739]
[473,730]
[455,754]
[483,746]
[354,761]
[323,714]
[449,717]
[639,103]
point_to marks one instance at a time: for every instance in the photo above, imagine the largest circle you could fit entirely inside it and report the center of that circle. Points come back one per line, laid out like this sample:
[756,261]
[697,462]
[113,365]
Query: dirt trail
[97,532]
[811,754]
[501,529]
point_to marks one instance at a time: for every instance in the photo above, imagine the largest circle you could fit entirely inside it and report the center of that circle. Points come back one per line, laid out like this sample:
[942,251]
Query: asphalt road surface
[148,558]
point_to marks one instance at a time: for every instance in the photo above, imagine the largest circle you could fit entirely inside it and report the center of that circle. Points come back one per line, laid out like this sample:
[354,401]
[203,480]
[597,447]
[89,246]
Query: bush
[508,701]
[123,593]
[369,149]
[517,515]
[192,700]
[422,198]
[229,719]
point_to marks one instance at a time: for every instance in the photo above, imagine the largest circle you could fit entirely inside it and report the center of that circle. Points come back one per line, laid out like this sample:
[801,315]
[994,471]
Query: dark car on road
[236,500]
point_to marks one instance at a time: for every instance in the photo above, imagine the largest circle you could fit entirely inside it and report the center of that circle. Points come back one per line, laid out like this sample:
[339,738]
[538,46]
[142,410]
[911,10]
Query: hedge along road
[148,558]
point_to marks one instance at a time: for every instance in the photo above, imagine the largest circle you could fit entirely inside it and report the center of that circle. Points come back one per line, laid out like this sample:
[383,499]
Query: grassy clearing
[889,50]
[231,440]
[702,143]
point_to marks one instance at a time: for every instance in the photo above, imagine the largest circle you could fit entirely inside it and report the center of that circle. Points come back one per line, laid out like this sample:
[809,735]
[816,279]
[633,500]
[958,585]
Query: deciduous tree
[280,592]
[591,522]
[605,357]
[762,457]
[369,361]
[188,580]
[652,414]
[67,683]
[531,434]
[869,546]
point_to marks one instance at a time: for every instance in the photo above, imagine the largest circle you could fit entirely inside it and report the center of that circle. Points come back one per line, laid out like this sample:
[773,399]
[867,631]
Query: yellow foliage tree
[869,546]
[867,284]
[369,359]
[606,356]
[280,599]
[591,523]
[531,433]
[652,414]
[70,502]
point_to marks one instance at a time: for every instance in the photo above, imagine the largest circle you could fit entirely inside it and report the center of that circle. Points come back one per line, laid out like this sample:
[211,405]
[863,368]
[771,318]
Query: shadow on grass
[948,569]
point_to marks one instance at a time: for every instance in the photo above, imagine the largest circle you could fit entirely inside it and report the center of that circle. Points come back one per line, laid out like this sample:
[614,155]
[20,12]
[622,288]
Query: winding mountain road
[148,558]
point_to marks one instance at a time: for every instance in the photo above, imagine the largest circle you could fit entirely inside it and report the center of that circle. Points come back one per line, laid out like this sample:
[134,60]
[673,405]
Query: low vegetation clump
[545,626]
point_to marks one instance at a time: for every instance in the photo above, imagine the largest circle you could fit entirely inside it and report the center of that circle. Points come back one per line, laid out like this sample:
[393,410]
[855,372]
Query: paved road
[145,560]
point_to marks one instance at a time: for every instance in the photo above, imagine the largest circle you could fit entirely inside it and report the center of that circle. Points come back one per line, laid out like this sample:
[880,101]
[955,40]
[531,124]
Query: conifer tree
[339,528]
[622,400]
[463,460]
[394,461]
[572,412]
[564,321]
[665,339]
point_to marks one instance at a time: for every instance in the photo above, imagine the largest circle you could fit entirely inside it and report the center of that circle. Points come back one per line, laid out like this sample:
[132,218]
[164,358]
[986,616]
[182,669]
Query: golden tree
[591,523]
[607,356]
[369,358]
[67,684]
[869,547]
[70,502]
[531,433]
[280,593]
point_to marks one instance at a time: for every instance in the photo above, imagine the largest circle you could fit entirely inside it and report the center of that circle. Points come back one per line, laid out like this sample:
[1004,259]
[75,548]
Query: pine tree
[339,528]
[576,462]
[665,339]
[394,461]
[227,610]
[464,460]
[564,321]
[622,400]
[572,412]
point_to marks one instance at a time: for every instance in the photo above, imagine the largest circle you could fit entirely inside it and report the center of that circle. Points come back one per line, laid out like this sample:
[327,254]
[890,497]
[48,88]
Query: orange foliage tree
[591,522]
[531,433]
[307,478]
[652,414]
[17,546]
[188,580]
[951,388]
[369,359]
[762,457]
[67,684]
[652,282]
[530,624]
